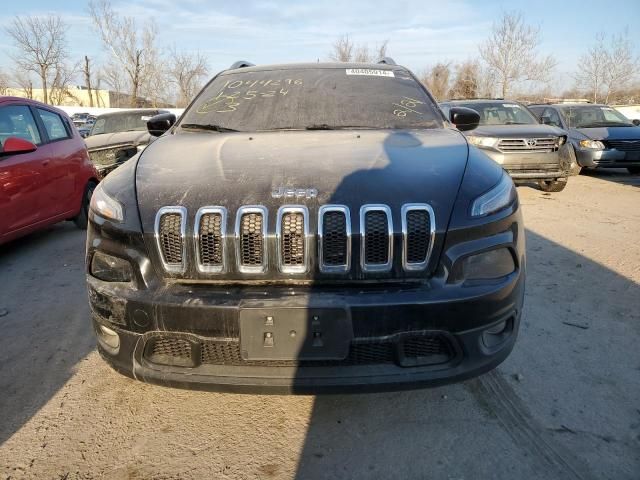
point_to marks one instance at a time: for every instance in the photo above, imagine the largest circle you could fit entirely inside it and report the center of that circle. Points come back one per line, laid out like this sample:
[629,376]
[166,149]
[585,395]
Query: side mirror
[464,118]
[160,123]
[17,145]
[636,122]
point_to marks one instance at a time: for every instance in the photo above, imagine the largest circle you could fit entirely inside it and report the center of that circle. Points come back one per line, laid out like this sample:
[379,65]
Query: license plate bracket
[294,334]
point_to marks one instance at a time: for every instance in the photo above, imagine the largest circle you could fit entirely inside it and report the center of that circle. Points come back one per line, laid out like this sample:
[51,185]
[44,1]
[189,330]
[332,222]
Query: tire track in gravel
[498,398]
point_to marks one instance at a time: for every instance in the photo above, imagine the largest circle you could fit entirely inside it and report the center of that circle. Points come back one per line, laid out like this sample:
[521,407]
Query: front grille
[376,237]
[624,145]
[251,239]
[418,235]
[112,155]
[292,237]
[412,350]
[527,144]
[170,223]
[211,227]
[210,250]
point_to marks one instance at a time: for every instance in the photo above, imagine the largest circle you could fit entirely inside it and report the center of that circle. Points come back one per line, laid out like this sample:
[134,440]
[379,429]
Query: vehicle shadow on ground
[526,419]
[44,327]
[617,175]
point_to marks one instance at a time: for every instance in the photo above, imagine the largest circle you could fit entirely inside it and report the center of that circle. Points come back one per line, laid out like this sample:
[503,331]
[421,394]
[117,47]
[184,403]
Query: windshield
[121,122]
[585,116]
[501,113]
[312,98]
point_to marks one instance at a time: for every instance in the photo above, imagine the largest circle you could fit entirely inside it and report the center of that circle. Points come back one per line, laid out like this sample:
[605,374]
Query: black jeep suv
[307,228]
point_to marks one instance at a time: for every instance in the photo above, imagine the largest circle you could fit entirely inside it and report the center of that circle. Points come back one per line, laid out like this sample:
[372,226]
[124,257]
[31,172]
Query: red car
[45,172]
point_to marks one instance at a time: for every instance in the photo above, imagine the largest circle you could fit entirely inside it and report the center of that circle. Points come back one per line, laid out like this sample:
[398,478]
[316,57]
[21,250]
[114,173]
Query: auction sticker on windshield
[370,71]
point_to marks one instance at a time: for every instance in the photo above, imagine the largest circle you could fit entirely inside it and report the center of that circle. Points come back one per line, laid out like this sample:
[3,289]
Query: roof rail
[241,64]
[387,61]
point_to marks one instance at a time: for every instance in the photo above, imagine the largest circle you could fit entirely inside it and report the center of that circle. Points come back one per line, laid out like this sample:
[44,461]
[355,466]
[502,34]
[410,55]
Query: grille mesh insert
[376,246]
[292,240]
[418,235]
[423,348]
[211,239]
[334,241]
[251,240]
[170,238]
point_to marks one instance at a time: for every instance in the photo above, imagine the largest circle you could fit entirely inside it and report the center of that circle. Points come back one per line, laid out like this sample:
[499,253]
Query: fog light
[110,268]
[497,334]
[108,339]
[488,265]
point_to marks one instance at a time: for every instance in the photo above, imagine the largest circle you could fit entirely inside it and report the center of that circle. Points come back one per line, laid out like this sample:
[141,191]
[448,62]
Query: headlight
[592,144]
[499,197]
[486,142]
[105,206]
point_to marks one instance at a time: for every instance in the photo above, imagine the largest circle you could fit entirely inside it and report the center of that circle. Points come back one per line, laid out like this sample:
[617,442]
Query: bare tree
[186,73]
[129,45]
[112,76]
[86,73]
[592,66]
[41,46]
[344,50]
[510,51]
[24,81]
[621,65]
[4,83]
[437,79]
[61,82]
[467,80]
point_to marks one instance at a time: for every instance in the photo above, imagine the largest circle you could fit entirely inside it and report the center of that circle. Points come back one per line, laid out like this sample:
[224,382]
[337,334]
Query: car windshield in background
[121,123]
[501,113]
[312,98]
[593,116]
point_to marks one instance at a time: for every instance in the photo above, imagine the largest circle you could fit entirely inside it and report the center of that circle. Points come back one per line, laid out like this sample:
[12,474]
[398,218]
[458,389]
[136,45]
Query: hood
[607,133]
[516,131]
[193,169]
[103,140]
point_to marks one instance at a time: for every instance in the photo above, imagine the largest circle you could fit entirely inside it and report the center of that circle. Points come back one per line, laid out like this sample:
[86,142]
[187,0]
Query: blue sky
[420,32]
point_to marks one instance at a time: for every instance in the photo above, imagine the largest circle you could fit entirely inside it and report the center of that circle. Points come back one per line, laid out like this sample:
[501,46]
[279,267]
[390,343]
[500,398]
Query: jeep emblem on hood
[290,192]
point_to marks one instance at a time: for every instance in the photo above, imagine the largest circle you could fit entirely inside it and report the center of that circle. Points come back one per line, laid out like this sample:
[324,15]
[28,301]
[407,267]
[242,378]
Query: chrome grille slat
[544,144]
[334,239]
[251,234]
[418,235]
[376,237]
[210,234]
[170,225]
[292,232]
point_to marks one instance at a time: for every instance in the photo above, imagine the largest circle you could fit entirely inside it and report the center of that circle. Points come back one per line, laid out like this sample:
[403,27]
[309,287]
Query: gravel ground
[565,404]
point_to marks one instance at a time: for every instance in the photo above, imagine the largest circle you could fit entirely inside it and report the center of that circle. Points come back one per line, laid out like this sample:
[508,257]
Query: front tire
[634,170]
[83,217]
[574,166]
[552,185]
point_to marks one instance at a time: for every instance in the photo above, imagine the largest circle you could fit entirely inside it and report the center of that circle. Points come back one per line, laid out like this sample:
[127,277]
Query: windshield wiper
[605,124]
[213,128]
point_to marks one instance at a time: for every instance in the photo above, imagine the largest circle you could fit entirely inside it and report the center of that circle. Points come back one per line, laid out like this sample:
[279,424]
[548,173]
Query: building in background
[79,97]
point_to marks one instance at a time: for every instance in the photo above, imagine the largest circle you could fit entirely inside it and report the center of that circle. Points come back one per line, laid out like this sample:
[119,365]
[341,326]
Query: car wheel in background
[552,185]
[81,219]
[634,170]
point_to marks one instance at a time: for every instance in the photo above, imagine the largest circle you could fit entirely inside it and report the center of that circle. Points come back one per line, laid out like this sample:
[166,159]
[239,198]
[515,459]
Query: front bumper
[530,165]
[610,158]
[452,321]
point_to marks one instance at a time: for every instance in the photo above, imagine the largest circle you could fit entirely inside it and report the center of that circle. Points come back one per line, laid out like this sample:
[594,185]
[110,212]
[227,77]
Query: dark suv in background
[514,138]
[118,136]
[599,135]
